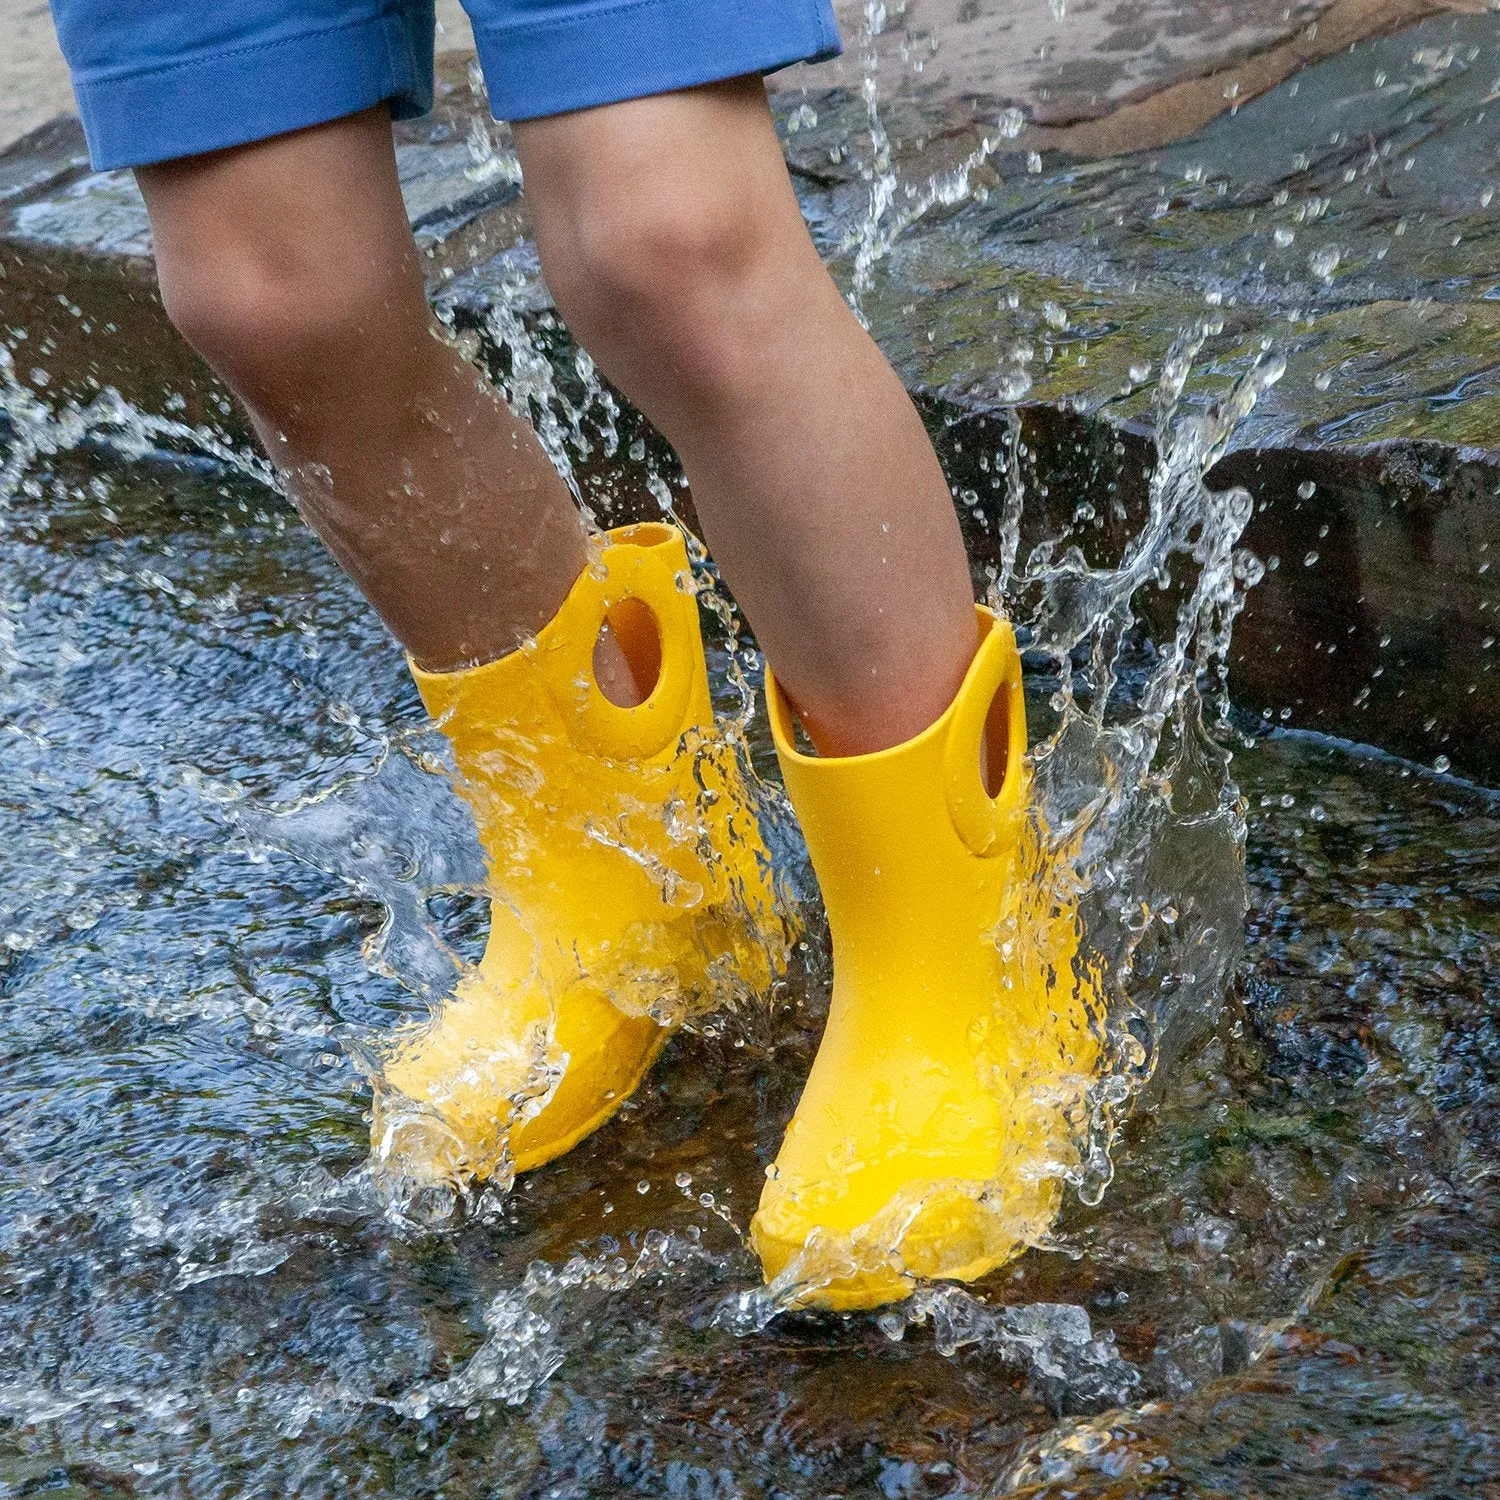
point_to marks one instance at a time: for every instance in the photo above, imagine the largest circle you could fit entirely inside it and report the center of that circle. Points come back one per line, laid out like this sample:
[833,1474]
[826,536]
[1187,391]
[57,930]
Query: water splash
[867,237]
[491,158]
[1133,782]
[1053,1342]
[527,1326]
[874,234]
[40,429]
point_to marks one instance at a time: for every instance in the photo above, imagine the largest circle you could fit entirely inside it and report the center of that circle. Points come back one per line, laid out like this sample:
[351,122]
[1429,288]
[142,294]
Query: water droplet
[1310,559]
[1306,490]
[1442,765]
[1013,385]
[1323,263]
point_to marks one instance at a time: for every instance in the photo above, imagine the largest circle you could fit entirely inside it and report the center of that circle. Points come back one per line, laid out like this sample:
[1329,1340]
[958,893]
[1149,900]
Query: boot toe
[928,1231]
[482,1089]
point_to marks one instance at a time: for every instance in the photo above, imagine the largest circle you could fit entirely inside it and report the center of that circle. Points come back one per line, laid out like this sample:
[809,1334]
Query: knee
[664,280]
[278,328]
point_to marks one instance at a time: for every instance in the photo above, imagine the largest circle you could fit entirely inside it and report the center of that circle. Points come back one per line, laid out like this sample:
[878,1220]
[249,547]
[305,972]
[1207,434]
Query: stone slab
[1351,216]
[54,152]
[1156,70]
[445,185]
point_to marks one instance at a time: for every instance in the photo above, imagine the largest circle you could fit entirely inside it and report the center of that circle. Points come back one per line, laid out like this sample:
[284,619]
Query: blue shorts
[157,79]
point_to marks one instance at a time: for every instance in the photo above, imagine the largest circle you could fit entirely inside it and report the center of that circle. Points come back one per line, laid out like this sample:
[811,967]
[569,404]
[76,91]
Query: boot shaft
[913,854]
[602,824]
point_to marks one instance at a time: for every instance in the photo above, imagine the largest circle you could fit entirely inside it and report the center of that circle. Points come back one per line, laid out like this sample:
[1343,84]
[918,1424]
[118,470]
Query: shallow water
[217,810]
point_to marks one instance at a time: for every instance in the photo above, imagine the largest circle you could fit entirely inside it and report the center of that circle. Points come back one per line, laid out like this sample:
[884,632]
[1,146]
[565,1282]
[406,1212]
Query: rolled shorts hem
[242,94]
[589,55]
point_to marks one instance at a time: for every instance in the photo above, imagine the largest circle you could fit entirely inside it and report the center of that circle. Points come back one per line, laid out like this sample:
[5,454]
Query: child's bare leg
[290,266]
[671,238]
[673,241]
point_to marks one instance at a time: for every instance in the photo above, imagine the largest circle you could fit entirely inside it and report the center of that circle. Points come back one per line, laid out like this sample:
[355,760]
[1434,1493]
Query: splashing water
[873,235]
[868,237]
[1129,779]
[39,430]
[1133,782]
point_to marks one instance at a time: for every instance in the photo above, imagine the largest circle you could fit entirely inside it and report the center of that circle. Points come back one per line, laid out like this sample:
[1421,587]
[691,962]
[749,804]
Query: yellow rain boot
[627,875]
[950,1081]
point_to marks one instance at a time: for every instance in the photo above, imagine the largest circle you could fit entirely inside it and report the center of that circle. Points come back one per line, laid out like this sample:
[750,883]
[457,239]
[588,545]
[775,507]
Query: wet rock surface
[1353,216]
[1094,76]
[1068,60]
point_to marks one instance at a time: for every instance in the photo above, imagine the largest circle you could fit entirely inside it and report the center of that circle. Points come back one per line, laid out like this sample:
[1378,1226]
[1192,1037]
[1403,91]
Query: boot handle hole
[985,760]
[994,744]
[628,691]
[628,653]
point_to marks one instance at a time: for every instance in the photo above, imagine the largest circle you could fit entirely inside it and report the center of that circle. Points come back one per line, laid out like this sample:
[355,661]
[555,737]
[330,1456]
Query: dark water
[215,804]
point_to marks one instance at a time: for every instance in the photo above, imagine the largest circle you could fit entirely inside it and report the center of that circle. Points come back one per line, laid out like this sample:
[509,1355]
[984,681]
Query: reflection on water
[227,860]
